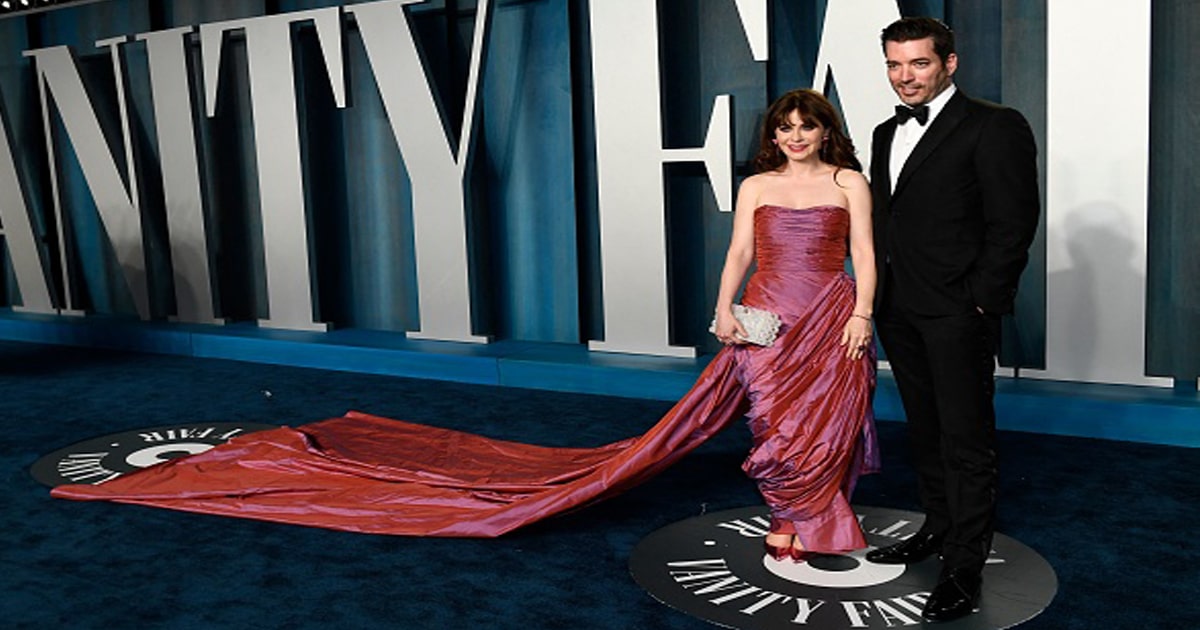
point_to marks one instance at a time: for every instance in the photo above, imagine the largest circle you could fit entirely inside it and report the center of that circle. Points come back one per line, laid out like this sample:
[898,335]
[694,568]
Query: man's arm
[1006,163]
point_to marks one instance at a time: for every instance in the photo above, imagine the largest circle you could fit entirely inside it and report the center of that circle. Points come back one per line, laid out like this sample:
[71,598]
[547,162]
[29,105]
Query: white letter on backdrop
[277,147]
[58,75]
[850,52]
[436,171]
[1096,213]
[173,123]
[629,164]
[17,234]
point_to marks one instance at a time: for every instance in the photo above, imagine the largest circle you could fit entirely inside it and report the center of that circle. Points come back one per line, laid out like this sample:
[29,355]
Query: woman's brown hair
[812,107]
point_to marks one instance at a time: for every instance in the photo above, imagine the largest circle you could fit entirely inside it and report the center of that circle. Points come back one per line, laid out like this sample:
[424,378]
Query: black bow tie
[920,113]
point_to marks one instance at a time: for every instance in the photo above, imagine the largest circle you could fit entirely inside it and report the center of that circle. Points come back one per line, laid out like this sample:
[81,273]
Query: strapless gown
[808,407]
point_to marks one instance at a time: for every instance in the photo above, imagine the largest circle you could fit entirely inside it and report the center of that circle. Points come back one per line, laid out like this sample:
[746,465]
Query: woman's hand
[856,336]
[729,329]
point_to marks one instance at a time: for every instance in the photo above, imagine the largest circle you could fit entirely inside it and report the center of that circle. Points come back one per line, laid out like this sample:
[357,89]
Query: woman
[808,395]
[796,214]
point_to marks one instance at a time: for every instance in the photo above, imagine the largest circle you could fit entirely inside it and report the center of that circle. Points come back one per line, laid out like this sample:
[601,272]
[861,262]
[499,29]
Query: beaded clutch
[761,326]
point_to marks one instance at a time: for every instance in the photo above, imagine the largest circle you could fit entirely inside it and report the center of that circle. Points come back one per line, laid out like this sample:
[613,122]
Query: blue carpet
[1113,518]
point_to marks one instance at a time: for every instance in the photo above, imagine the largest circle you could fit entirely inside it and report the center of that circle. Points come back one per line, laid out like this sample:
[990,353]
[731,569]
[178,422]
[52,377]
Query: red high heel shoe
[778,553]
[800,555]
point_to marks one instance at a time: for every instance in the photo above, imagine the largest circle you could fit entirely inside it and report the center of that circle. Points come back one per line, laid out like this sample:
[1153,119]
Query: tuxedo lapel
[881,158]
[940,129]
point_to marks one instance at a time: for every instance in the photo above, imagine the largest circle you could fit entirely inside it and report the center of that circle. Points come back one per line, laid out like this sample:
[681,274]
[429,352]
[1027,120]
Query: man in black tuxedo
[954,181]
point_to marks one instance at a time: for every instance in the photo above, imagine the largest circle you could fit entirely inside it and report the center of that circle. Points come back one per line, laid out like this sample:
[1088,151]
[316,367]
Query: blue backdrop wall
[533,235]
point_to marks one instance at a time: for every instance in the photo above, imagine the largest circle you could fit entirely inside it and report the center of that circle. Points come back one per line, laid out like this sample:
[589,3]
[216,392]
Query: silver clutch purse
[761,326]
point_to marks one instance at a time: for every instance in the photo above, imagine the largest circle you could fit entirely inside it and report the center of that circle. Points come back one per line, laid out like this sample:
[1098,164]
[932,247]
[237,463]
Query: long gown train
[809,410]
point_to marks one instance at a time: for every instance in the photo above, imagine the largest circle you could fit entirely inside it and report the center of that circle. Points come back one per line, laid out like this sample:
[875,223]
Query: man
[954,182]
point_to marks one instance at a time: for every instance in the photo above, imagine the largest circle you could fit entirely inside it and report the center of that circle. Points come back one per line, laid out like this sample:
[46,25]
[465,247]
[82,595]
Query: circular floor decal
[108,457]
[713,567]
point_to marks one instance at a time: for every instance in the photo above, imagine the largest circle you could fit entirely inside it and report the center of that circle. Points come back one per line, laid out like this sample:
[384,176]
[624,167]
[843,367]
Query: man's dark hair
[911,28]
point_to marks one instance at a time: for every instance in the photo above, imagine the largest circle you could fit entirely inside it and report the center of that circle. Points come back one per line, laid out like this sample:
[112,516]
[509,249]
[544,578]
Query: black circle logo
[714,567]
[99,459]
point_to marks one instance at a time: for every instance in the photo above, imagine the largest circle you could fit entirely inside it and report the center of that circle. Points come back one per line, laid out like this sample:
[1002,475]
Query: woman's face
[797,138]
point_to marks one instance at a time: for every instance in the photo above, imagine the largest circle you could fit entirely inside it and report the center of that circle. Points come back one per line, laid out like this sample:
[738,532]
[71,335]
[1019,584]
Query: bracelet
[861,317]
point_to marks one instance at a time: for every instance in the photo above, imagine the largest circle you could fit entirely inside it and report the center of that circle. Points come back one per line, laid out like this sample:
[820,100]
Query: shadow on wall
[1101,274]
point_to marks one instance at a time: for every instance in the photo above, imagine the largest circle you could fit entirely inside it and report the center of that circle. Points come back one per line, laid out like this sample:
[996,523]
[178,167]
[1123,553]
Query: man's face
[915,71]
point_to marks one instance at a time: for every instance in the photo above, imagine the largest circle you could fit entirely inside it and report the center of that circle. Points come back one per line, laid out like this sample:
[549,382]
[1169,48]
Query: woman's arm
[737,260]
[857,332]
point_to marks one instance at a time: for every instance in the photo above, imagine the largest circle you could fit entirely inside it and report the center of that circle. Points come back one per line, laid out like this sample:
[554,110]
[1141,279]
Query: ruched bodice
[800,241]
[798,252]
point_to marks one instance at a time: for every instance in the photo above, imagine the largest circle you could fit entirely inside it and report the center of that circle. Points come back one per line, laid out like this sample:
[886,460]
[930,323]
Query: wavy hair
[812,107]
[914,28]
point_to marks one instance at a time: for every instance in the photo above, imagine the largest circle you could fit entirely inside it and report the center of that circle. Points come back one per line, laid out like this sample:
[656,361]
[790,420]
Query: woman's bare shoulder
[753,185]
[760,179]
[851,179]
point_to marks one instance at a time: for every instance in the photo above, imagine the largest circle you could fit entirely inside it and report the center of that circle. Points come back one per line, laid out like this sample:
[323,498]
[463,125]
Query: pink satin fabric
[810,411]
[376,475]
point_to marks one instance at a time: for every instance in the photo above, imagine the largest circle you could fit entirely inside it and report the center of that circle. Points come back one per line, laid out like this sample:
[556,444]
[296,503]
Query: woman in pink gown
[808,397]
[810,394]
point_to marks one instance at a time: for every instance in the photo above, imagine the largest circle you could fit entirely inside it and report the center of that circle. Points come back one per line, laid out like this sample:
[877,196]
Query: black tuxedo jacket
[957,227]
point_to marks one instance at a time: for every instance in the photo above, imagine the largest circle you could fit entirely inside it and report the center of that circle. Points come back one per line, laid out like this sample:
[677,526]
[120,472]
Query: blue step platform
[1116,412]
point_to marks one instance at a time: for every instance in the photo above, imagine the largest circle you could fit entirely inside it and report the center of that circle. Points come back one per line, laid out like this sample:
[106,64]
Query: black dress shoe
[957,595]
[919,546]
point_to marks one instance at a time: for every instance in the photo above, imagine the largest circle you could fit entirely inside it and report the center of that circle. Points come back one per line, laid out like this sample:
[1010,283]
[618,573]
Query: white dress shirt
[909,134]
